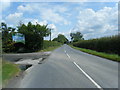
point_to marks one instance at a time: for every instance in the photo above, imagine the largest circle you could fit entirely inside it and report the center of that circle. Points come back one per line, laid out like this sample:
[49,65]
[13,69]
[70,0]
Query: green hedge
[104,44]
[47,44]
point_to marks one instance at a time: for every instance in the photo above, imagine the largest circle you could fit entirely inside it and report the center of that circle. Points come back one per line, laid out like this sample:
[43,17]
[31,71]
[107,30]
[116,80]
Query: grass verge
[0,72]
[9,70]
[113,57]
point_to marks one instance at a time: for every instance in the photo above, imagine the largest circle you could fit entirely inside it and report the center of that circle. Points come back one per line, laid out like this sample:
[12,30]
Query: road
[70,68]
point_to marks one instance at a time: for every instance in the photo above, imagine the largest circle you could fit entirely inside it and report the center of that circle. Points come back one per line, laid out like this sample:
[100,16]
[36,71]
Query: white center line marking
[65,51]
[68,55]
[98,86]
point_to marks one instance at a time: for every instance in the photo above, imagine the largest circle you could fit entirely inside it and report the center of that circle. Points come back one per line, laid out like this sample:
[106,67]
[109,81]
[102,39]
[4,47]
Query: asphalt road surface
[70,68]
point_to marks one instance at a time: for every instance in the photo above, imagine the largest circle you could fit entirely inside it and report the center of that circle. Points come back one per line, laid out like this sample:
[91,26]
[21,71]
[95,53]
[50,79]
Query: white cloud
[52,26]
[60,9]
[5,4]
[31,8]
[52,13]
[99,23]
[52,16]
[34,21]
[14,18]
[23,8]
[56,33]
[43,22]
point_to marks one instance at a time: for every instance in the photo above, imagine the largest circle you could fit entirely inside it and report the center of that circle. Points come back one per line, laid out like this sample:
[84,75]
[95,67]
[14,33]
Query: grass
[9,70]
[0,72]
[49,49]
[113,57]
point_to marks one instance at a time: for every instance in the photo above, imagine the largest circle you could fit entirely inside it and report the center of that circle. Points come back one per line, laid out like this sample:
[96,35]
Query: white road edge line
[98,86]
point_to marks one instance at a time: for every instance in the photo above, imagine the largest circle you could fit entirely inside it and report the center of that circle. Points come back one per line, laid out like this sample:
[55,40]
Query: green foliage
[50,45]
[47,44]
[0,71]
[7,43]
[0,43]
[55,39]
[105,44]
[75,37]
[114,57]
[9,46]
[34,35]
[61,38]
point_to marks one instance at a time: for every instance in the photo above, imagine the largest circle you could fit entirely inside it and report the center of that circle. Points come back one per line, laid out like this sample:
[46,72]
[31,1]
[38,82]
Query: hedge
[47,44]
[105,44]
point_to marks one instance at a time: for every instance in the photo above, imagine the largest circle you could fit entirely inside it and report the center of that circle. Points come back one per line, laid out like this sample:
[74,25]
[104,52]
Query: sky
[92,19]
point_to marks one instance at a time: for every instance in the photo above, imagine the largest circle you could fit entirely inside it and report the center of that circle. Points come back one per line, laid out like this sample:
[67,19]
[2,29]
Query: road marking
[98,86]
[68,55]
[65,51]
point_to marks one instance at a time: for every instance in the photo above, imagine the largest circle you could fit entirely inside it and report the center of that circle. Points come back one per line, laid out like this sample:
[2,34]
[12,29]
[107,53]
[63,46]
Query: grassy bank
[0,72]
[9,70]
[113,57]
[49,49]
[50,45]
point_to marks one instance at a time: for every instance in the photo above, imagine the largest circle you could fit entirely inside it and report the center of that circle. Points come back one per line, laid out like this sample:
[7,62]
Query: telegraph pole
[50,28]
[50,34]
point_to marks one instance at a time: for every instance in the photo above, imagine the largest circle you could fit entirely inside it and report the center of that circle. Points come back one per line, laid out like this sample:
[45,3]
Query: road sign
[18,37]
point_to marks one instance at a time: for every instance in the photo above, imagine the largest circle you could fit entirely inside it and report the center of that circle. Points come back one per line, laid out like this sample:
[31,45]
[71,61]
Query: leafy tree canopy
[61,38]
[34,34]
[76,36]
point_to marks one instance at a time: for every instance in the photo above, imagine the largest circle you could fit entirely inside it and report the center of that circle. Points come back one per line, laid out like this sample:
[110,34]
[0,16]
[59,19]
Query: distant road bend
[70,68]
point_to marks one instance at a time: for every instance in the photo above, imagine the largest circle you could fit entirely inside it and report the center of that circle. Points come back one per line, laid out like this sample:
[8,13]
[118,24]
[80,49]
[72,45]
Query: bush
[8,46]
[104,44]
[47,44]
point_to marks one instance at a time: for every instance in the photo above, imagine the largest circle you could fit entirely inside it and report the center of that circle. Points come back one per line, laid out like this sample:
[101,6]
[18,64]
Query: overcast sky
[92,19]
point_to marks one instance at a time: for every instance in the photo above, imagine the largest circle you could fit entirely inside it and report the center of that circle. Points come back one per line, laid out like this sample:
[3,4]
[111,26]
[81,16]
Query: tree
[61,38]
[76,36]
[34,35]
[55,39]
[7,32]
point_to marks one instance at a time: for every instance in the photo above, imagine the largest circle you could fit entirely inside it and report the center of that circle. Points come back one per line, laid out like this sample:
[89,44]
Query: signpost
[18,37]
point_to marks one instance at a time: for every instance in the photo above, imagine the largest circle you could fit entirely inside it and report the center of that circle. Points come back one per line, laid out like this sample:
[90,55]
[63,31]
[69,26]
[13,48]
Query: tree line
[34,39]
[34,36]
[75,37]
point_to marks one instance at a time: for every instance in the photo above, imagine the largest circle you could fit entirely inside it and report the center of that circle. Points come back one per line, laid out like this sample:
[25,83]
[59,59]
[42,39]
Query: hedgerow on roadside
[105,44]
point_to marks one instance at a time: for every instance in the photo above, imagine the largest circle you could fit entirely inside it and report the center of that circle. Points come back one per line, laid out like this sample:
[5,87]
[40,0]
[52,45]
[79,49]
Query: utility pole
[50,34]
[50,28]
